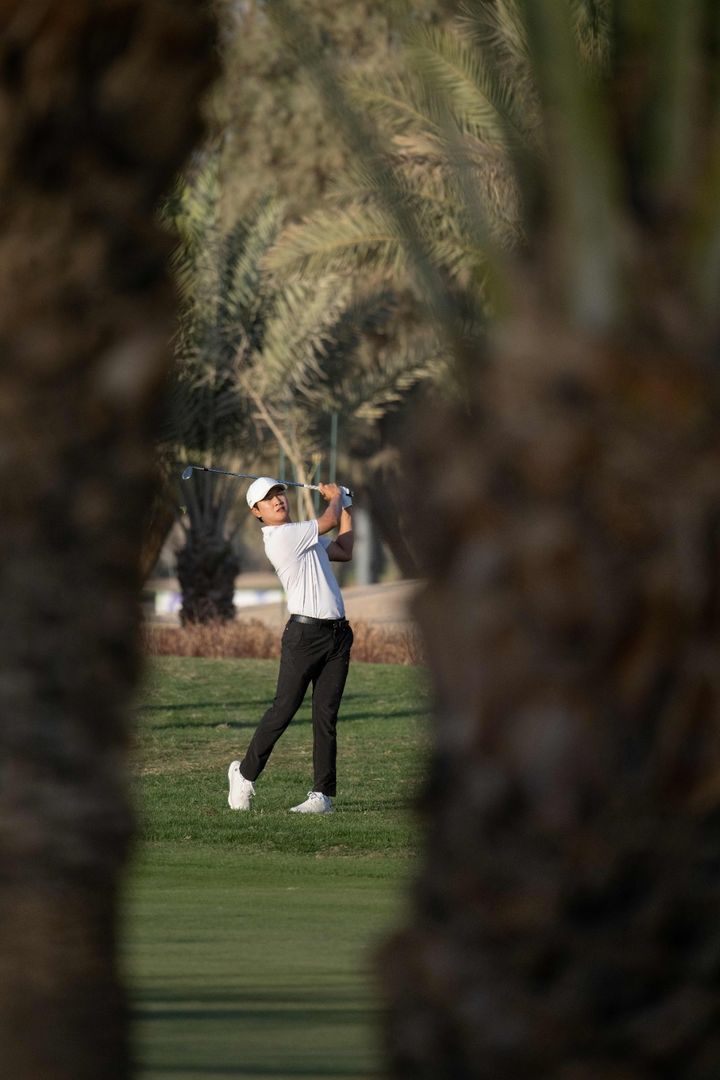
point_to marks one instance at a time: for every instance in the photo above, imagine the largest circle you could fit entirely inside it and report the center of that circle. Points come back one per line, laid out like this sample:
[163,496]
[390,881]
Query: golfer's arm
[331,516]
[341,549]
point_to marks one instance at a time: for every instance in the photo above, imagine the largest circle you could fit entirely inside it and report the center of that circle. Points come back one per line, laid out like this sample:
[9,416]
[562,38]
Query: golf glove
[346,498]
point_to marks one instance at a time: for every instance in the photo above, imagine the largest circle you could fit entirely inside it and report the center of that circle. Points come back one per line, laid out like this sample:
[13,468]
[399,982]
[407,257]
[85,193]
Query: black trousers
[311,653]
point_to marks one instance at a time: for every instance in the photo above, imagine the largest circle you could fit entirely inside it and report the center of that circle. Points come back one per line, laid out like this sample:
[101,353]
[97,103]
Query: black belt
[318,622]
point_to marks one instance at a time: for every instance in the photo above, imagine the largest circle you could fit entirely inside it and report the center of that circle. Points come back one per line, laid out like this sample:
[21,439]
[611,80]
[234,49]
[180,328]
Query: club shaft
[249,476]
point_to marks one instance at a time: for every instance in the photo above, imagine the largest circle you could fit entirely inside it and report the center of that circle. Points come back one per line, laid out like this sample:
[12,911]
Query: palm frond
[193,205]
[400,102]
[339,242]
[361,318]
[223,305]
[300,334]
[243,251]
[496,27]
[497,24]
[592,23]
[356,234]
[204,416]
[362,139]
[480,100]
[382,382]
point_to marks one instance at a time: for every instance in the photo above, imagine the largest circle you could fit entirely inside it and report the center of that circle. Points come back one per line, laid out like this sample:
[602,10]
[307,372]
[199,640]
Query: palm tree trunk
[100,107]
[564,921]
[565,911]
[387,498]
[206,568]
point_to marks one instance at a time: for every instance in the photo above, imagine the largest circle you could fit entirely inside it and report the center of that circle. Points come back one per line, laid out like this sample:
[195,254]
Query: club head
[187,473]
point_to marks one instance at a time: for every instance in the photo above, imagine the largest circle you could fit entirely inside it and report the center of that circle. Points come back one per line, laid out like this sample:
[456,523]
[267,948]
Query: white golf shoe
[316,803]
[241,790]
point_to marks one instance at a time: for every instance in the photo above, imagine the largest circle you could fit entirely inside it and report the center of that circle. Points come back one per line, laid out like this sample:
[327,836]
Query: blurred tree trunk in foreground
[100,108]
[564,924]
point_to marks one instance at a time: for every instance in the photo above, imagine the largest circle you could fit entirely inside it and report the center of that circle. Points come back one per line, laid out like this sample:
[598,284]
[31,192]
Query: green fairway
[249,936]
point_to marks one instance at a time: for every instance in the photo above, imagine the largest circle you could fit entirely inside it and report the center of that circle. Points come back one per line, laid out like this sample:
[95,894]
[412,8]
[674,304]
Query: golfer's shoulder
[290,535]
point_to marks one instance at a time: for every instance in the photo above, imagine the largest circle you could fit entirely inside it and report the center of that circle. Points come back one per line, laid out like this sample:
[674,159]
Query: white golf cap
[260,487]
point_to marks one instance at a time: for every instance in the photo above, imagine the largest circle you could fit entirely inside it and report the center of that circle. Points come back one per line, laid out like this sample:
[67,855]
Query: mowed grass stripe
[249,937]
[260,966]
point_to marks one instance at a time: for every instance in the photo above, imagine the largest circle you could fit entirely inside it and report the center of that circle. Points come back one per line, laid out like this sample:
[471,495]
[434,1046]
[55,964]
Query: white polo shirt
[299,555]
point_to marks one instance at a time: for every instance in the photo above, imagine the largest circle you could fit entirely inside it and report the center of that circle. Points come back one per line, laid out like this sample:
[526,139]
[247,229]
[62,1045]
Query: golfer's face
[274,508]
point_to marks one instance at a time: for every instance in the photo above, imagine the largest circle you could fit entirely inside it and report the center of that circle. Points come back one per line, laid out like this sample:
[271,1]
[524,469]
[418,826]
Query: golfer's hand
[329,491]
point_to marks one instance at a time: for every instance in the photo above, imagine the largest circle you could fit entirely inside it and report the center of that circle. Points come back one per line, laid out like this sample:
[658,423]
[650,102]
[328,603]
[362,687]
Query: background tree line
[266,357]
[302,301]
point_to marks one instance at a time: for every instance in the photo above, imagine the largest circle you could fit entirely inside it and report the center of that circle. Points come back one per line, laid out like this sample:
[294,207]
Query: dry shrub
[376,644]
[217,640]
[254,640]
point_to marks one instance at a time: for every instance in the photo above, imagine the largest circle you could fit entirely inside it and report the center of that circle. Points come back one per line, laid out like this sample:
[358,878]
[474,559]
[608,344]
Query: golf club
[187,473]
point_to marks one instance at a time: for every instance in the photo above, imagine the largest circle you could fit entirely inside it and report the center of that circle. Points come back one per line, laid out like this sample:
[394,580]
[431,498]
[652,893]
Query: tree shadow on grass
[286,1072]
[285,1018]
[281,1003]
[223,704]
[185,705]
[298,721]
[259,708]
[272,1011]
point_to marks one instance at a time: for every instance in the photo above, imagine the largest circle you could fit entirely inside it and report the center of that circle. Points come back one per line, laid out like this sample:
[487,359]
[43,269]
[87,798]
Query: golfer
[316,641]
